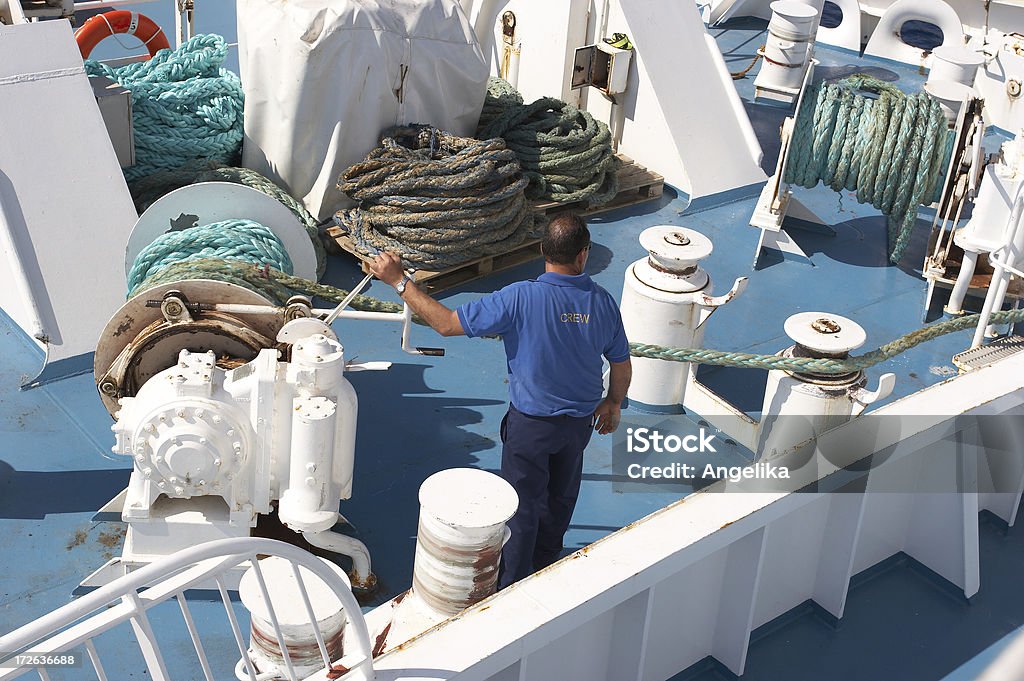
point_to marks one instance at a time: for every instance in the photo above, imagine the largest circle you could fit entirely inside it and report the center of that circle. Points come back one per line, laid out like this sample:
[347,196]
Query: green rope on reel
[891,148]
[228,240]
[566,154]
[146,190]
[184,105]
[436,199]
[271,283]
[817,365]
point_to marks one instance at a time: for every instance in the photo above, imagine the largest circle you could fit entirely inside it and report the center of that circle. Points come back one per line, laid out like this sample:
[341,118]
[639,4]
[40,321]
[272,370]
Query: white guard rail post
[129,598]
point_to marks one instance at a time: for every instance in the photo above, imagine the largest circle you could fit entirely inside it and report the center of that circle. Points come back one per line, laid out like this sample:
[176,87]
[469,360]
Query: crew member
[556,329]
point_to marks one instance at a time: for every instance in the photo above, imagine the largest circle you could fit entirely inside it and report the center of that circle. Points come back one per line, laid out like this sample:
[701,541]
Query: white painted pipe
[963,282]
[361,575]
[462,529]
[1000,275]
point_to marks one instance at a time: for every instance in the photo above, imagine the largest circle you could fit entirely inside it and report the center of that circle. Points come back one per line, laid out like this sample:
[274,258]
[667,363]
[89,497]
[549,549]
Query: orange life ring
[98,27]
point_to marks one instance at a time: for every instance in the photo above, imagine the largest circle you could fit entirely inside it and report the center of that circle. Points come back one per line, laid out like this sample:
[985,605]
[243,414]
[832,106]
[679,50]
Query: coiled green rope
[436,199]
[273,284]
[184,105]
[815,365]
[892,148]
[566,154]
[146,190]
[228,240]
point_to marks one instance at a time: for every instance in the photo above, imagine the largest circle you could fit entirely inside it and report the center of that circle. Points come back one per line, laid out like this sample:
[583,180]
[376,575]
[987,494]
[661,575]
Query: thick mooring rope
[278,287]
[816,365]
[184,105]
[228,240]
[148,189]
[866,135]
[273,284]
[566,154]
[436,199]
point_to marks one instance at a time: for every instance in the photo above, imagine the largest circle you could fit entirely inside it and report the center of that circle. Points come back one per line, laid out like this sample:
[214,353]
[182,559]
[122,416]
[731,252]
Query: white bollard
[666,298]
[462,529]
[955,63]
[790,32]
[290,610]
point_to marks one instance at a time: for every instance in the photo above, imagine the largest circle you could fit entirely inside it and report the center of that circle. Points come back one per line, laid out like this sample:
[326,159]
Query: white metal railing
[129,598]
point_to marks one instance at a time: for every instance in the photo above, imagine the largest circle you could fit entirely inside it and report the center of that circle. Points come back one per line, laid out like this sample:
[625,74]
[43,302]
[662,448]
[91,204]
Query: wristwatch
[400,286]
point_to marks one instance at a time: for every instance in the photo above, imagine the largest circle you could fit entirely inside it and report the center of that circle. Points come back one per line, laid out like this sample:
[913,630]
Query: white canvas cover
[323,78]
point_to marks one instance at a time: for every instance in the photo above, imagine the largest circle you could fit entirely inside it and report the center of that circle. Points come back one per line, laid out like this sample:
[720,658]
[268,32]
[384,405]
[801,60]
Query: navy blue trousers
[542,458]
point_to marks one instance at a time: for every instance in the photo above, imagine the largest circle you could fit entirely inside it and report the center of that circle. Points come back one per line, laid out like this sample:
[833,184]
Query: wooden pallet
[636,185]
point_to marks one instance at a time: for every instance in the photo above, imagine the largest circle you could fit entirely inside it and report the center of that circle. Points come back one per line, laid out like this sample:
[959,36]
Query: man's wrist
[403,284]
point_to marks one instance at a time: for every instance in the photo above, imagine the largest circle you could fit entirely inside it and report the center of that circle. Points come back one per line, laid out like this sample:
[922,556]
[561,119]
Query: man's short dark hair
[565,237]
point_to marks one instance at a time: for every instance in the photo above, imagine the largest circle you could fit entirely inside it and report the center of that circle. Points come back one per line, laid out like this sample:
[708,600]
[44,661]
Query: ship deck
[426,414]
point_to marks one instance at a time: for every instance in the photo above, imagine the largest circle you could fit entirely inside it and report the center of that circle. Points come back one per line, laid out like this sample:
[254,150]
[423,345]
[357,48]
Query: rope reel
[861,134]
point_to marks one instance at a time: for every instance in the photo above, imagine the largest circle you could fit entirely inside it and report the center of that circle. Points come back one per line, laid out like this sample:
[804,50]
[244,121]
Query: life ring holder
[100,26]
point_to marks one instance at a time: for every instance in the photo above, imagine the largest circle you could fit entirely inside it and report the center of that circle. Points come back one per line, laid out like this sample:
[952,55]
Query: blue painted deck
[427,414]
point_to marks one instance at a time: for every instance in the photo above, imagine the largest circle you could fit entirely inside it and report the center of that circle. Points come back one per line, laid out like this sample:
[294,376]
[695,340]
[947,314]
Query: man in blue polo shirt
[556,330]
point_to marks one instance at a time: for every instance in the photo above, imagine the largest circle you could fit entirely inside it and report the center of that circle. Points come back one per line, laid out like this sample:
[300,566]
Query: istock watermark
[889,453]
[643,440]
[675,453]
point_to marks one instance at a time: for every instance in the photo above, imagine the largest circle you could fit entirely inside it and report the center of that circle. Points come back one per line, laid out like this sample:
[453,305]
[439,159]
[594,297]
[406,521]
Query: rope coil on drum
[566,154]
[148,189]
[185,107]
[243,240]
[862,134]
[436,199]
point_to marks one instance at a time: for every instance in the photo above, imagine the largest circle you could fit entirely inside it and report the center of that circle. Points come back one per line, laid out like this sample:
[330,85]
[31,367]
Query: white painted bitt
[285,604]
[463,512]
[799,407]
[787,47]
[666,299]
[956,63]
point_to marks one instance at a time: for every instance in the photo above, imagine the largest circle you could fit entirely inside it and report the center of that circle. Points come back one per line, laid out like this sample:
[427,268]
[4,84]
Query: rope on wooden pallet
[436,199]
[565,153]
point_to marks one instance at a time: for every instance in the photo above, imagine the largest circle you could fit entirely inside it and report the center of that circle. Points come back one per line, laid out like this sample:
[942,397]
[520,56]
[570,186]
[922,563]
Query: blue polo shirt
[556,328]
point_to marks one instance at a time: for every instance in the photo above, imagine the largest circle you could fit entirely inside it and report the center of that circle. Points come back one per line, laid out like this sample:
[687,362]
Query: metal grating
[976,358]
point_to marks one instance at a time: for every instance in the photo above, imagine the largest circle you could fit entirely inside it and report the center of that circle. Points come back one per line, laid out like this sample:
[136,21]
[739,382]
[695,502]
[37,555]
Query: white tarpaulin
[323,78]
